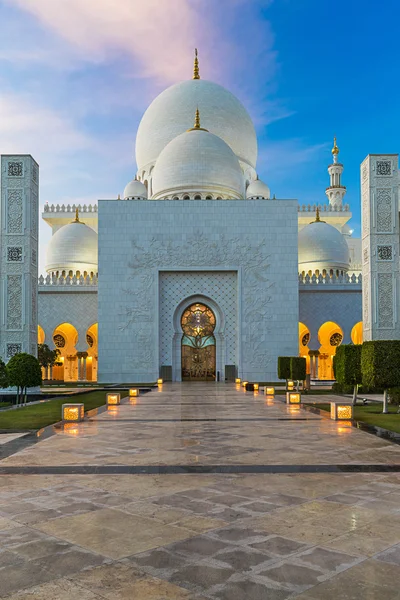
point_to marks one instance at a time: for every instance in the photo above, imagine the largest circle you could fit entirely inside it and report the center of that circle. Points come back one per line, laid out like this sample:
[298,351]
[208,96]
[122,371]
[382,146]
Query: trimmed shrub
[298,368]
[380,365]
[348,367]
[340,388]
[284,367]
[394,395]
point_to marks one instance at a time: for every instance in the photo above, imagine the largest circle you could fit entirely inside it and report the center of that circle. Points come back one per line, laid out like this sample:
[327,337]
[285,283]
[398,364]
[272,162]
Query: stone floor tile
[61,589]
[200,524]
[239,535]
[242,560]
[40,548]
[9,558]
[327,559]
[296,577]
[200,578]
[344,499]
[250,590]
[279,546]
[391,555]
[200,546]
[356,544]
[113,533]
[6,524]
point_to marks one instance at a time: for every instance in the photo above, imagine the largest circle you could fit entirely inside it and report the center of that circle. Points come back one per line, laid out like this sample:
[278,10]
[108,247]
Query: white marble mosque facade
[197,224]
[248,247]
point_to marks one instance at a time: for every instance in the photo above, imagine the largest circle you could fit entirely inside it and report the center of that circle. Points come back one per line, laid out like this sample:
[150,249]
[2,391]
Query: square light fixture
[237,380]
[290,385]
[133,392]
[256,386]
[113,399]
[159,381]
[341,411]
[293,398]
[73,413]
[244,383]
[269,391]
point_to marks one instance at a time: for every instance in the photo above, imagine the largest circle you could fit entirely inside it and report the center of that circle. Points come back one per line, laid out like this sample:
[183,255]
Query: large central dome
[169,114]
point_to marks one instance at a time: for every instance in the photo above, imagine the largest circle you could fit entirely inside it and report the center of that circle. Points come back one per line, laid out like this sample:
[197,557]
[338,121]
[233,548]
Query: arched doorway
[198,343]
[357,333]
[304,340]
[65,338]
[330,336]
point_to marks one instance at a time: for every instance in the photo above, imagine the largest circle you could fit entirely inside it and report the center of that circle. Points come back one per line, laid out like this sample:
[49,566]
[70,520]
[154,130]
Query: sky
[77,75]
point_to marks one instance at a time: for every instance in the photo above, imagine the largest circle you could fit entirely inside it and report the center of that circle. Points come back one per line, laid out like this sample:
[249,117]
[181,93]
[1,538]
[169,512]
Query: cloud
[158,35]
[41,131]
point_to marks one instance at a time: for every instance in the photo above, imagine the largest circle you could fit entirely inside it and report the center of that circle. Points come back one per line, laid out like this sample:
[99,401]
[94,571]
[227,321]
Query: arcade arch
[357,333]
[330,336]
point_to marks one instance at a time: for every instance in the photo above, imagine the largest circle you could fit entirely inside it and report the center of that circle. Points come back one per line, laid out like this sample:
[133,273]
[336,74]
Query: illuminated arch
[92,336]
[330,336]
[304,340]
[357,333]
[65,338]
[41,335]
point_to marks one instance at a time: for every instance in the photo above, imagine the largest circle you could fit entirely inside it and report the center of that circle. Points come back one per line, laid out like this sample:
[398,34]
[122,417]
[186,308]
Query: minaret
[336,191]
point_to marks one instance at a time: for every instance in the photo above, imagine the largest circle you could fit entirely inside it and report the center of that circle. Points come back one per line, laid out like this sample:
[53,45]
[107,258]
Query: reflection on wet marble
[179,536]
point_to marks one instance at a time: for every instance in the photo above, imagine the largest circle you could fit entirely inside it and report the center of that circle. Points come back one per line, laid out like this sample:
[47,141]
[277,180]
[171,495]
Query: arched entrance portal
[198,343]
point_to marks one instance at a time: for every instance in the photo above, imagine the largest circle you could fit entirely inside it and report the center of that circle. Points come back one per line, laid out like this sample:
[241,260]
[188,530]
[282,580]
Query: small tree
[298,369]
[3,375]
[380,362]
[347,367]
[48,358]
[284,368]
[23,371]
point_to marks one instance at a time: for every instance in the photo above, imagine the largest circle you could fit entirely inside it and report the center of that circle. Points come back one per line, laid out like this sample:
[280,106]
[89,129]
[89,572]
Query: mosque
[196,272]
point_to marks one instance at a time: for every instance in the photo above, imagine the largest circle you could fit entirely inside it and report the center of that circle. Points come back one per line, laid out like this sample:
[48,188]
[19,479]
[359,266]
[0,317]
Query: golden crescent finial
[317,219]
[335,149]
[77,216]
[196,71]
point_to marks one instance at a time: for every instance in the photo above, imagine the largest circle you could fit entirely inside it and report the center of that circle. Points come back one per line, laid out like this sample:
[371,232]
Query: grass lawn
[41,415]
[372,414]
[5,404]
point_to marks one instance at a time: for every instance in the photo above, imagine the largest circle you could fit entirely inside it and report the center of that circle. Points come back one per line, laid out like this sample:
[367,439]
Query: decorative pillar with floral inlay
[380,247]
[19,181]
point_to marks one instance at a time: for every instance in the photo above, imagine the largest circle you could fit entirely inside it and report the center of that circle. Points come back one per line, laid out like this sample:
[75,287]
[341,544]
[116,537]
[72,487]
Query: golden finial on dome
[196,71]
[77,216]
[197,125]
[317,219]
[335,149]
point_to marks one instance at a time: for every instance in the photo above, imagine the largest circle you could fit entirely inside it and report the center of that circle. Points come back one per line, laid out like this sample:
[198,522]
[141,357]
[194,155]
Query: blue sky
[76,76]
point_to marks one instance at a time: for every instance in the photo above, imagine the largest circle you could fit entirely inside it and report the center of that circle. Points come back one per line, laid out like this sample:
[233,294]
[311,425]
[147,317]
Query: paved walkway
[202,491]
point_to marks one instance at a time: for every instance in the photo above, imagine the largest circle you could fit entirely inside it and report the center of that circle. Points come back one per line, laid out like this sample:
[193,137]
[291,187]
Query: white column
[380,247]
[19,178]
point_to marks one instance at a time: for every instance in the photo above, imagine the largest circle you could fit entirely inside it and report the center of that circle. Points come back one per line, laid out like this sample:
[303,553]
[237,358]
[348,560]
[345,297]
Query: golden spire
[335,149]
[317,219]
[197,119]
[77,216]
[197,125]
[196,72]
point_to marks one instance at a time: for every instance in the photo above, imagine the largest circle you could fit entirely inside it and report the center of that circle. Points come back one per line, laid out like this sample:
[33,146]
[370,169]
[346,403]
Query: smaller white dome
[135,189]
[258,189]
[198,162]
[74,247]
[347,230]
[322,246]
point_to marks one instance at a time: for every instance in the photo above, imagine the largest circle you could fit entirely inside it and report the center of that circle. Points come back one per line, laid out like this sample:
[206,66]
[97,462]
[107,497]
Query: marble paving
[202,491]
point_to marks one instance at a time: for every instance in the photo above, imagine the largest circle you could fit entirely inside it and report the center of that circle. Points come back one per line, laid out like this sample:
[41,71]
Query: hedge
[348,364]
[380,363]
[298,368]
[284,367]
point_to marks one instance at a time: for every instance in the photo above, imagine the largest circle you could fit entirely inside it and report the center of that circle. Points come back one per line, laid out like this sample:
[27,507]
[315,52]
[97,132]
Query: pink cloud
[159,36]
